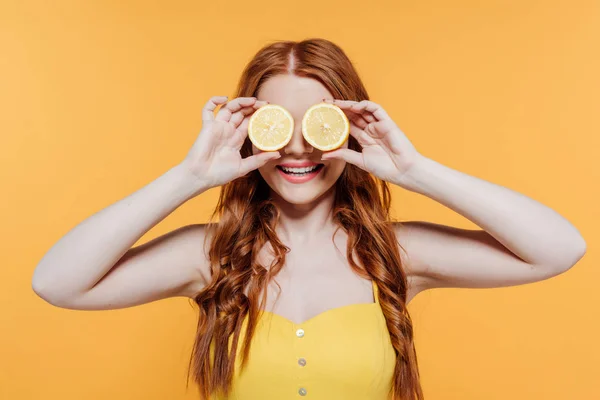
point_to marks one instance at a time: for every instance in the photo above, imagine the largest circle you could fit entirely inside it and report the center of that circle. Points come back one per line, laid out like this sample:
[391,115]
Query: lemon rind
[289,135]
[343,138]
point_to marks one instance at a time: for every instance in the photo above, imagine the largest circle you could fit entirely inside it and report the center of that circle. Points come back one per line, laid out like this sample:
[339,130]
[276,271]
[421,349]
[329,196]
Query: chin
[306,192]
[301,195]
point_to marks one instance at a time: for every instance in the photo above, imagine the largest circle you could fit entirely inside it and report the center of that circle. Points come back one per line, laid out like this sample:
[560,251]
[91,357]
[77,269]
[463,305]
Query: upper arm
[445,256]
[174,264]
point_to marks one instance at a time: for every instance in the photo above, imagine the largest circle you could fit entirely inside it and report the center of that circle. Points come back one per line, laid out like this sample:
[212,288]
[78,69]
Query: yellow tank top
[343,353]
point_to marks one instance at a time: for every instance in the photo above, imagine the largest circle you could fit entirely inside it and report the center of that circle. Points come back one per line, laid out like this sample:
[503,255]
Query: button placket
[301,361]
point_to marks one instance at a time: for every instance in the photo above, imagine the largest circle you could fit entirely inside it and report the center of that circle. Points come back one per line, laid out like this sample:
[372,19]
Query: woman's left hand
[386,151]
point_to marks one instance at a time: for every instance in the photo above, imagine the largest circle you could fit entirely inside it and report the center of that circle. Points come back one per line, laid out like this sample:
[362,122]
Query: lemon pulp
[325,126]
[270,127]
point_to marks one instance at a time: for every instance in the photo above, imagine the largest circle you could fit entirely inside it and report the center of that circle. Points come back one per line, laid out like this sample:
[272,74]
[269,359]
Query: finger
[352,108]
[358,120]
[255,161]
[259,103]
[368,117]
[233,106]
[367,106]
[240,102]
[358,117]
[348,155]
[361,136]
[362,107]
[243,127]
[239,116]
[210,106]
[341,103]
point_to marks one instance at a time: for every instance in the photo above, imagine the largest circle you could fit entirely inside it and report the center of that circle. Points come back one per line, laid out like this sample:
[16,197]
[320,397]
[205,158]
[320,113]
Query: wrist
[412,178]
[188,182]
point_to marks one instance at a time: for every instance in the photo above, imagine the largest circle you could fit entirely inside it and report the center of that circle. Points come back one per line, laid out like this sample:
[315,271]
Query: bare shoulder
[190,244]
[409,246]
[429,250]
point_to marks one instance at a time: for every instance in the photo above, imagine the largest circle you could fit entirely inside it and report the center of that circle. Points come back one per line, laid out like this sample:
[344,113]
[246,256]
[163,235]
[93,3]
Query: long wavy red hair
[247,220]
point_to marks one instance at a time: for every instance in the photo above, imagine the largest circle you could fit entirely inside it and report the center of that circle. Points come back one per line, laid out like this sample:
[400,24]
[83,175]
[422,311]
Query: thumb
[256,161]
[348,155]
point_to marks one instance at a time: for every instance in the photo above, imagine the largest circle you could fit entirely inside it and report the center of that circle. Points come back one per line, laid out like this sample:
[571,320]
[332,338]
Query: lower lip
[300,179]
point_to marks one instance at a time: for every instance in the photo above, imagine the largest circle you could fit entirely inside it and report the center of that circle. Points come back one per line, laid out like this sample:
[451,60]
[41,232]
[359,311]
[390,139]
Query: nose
[297,144]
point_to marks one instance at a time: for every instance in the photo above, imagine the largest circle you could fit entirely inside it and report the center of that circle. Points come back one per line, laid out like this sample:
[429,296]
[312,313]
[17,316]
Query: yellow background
[100,98]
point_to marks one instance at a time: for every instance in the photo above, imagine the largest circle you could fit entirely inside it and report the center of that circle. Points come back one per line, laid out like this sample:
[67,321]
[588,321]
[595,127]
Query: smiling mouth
[300,171]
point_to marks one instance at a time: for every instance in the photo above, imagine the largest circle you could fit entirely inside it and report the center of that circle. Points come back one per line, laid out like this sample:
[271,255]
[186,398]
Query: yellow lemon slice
[270,127]
[325,126]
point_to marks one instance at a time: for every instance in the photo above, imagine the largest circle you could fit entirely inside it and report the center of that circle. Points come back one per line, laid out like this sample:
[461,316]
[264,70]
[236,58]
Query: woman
[334,323]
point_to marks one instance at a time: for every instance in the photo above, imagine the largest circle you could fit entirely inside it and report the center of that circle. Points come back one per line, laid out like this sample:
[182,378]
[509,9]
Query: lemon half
[270,127]
[325,126]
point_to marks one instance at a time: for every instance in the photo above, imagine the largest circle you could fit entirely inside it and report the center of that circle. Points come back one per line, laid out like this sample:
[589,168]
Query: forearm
[89,250]
[531,230]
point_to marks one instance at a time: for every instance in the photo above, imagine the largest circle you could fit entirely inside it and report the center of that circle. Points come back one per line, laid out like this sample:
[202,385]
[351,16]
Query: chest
[314,280]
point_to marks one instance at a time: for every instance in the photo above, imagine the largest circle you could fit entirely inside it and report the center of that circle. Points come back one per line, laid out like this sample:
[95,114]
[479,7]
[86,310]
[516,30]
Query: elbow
[43,292]
[579,252]
[582,249]
[575,257]
[38,286]
[47,293]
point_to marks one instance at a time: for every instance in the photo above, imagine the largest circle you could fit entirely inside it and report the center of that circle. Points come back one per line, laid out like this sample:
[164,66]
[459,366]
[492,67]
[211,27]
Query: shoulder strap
[375,292]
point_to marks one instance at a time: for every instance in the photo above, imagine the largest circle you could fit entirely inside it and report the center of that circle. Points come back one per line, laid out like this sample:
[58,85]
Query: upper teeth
[300,170]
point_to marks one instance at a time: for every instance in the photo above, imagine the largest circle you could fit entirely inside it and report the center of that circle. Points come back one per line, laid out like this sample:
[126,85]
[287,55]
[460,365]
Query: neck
[302,223]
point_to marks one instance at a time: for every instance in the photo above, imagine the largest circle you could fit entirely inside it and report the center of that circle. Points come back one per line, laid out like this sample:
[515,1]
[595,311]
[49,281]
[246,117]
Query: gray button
[302,392]
[300,332]
[302,362]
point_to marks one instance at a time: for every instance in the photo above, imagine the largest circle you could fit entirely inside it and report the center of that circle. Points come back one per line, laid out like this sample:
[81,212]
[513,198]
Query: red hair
[248,217]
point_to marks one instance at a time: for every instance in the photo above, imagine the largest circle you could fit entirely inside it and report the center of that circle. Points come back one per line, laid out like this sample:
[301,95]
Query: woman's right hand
[215,157]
